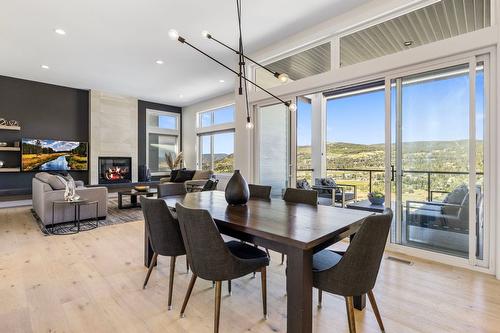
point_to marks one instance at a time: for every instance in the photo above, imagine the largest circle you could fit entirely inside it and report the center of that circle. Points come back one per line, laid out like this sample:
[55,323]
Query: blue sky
[432,110]
[57,145]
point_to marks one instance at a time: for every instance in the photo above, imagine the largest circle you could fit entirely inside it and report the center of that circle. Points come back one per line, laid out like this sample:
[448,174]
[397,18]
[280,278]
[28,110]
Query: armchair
[343,192]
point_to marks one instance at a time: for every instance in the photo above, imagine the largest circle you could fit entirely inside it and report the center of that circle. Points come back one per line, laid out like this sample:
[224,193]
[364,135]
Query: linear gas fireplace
[115,170]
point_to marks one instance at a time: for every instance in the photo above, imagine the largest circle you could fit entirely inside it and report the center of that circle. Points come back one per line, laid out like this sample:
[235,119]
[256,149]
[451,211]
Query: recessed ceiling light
[45,67]
[222,81]
[181,96]
[60,32]
[159,62]
[408,43]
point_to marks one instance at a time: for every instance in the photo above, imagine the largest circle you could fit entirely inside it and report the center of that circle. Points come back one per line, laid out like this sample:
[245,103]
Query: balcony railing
[428,177]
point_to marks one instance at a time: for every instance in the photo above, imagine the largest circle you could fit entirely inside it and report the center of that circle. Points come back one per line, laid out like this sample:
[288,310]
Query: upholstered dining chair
[210,258]
[259,191]
[295,195]
[165,237]
[354,272]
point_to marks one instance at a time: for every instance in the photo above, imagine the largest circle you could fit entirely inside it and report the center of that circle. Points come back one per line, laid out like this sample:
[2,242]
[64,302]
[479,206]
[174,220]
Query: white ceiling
[112,45]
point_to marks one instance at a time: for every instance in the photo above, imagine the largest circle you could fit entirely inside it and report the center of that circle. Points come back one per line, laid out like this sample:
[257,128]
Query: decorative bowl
[141,188]
[376,198]
[3,144]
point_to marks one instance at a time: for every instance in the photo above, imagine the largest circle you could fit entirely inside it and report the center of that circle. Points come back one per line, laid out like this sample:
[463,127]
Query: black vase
[237,192]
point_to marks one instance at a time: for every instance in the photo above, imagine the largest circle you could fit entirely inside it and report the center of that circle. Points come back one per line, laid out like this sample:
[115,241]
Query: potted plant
[376,198]
[174,162]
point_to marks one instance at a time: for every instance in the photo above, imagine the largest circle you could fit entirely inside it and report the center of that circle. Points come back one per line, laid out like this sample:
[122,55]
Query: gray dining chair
[210,258]
[164,235]
[295,195]
[259,191]
[354,272]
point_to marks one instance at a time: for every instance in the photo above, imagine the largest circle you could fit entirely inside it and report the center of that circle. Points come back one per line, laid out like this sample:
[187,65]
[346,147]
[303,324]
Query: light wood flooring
[92,282]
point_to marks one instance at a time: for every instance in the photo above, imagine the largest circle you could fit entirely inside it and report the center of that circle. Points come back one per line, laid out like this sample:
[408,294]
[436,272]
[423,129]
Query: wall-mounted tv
[54,155]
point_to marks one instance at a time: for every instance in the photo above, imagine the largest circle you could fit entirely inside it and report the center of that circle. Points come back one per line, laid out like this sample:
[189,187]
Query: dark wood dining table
[298,230]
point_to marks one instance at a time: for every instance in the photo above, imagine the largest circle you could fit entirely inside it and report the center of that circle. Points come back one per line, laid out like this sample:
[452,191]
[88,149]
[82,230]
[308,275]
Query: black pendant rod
[209,36]
[242,61]
[184,41]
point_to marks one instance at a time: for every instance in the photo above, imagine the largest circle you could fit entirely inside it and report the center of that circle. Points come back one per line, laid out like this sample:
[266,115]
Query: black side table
[63,229]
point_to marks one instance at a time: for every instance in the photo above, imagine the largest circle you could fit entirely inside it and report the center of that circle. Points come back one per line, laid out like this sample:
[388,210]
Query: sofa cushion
[184,175]
[455,197]
[329,181]
[43,177]
[202,174]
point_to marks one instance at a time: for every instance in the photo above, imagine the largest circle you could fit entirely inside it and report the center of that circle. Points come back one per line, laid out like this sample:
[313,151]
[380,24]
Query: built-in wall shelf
[10,149]
[10,128]
[10,169]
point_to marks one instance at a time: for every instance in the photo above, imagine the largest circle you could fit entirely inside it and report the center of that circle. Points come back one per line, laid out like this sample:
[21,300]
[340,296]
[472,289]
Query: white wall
[113,130]
[189,137]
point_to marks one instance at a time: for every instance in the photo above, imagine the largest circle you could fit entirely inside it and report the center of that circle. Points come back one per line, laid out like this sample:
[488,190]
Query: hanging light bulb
[249,124]
[283,77]
[173,34]
[292,107]
[205,34]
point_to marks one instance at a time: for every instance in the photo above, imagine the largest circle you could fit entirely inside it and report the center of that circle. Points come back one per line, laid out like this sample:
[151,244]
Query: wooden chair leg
[150,269]
[218,290]
[371,296]
[187,264]
[171,282]
[263,278]
[282,258]
[188,294]
[229,287]
[349,302]
[320,298]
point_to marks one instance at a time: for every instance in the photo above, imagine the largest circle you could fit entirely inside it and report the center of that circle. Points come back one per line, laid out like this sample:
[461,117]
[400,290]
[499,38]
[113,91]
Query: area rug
[115,216]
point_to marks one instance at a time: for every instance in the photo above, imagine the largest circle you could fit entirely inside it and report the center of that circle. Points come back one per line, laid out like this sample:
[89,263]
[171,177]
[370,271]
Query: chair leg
[150,269]
[320,298]
[268,254]
[282,258]
[171,282]
[263,278]
[218,290]
[229,287]
[188,294]
[371,296]
[187,264]
[349,302]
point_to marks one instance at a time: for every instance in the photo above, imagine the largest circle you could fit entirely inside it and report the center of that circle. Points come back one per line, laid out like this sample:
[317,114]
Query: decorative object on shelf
[174,162]
[3,144]
[16,144]
[241,73]
[3,122]
[13,123]
[376,198]
[141,188]
[237,192]
[1,164]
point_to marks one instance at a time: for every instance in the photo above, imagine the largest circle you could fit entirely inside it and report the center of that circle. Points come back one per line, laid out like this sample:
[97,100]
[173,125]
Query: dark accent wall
[142,106]
[45,111]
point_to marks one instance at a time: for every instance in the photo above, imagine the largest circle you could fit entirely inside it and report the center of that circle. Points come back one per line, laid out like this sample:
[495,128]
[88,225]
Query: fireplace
[115,170]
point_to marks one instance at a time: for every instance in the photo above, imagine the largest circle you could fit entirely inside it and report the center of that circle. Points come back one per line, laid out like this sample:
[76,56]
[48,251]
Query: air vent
[441,20]
[402,261]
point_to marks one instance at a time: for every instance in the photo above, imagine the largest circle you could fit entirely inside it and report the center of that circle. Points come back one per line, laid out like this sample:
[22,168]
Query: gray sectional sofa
[48,188]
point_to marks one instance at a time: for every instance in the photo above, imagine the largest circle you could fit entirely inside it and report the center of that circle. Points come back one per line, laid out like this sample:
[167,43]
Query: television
[54,155]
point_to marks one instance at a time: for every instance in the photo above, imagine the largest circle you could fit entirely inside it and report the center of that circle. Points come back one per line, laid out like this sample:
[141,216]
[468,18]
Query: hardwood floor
[92,282]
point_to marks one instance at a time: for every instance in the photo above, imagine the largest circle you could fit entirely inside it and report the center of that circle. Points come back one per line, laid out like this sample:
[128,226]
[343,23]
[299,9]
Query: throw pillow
[303,184]
[56,182]
[457,195]
[202,174]
[329,181]
[184,175]
[173,174]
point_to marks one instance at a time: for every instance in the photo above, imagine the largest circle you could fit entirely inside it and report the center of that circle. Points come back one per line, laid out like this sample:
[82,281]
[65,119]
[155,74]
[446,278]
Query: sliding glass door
[437,159]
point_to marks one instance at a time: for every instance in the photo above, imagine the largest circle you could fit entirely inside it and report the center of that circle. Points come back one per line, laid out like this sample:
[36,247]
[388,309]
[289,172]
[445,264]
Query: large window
[217,152]
[162,137]
[216,139]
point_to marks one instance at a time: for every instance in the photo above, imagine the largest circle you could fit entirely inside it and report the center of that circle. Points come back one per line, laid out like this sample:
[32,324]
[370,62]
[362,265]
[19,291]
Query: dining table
[298,230]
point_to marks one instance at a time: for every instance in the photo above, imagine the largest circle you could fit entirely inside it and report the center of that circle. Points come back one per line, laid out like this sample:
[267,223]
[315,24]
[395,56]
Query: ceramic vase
[237,192]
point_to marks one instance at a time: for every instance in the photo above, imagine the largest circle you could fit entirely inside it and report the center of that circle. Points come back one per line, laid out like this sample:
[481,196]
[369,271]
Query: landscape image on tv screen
[54,155]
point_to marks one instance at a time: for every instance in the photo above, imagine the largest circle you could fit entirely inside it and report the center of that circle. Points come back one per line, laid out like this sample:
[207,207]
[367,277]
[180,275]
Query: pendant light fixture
[241,73]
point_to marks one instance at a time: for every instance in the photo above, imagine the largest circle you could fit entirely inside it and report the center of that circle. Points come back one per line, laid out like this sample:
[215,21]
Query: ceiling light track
[241,74]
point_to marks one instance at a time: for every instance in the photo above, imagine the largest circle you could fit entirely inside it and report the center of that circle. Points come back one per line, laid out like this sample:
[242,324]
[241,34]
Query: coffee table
[367,206]
[133,194]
